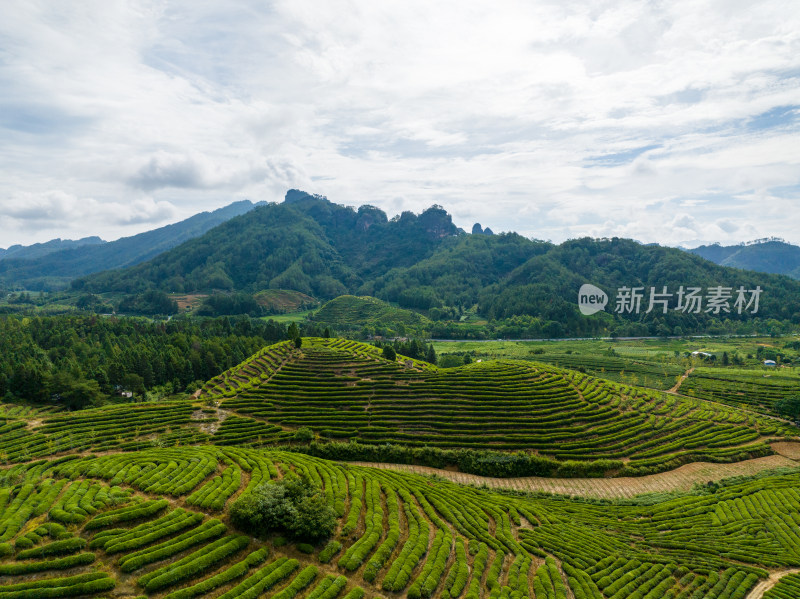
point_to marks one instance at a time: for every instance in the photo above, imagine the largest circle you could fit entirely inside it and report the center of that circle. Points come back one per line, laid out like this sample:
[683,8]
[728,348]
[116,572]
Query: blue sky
[671,122]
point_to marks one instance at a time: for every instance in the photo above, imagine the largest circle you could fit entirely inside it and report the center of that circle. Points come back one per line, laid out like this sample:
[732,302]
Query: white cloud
[59,210]
[553,119]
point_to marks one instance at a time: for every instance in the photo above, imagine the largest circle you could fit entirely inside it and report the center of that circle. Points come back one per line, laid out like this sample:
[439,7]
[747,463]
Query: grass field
[289,317]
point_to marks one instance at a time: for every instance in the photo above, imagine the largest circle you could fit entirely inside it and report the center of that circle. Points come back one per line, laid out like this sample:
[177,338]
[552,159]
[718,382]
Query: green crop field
[152,523]
[135,500]
[349,312]
[660,364]
[754,389]
[345,390]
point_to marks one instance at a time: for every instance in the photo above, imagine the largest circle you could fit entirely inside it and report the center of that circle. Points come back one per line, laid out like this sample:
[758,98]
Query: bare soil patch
[189,301]
[789,449]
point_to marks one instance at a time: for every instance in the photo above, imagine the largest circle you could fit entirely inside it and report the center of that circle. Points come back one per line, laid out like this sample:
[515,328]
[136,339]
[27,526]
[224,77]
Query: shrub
[64,547]
[304,434]
[315,520]
[331,549]
[305,548]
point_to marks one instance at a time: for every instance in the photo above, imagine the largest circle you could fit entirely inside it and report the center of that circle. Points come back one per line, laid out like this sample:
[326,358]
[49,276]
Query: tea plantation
[153,523]
[344,390]
[135,500]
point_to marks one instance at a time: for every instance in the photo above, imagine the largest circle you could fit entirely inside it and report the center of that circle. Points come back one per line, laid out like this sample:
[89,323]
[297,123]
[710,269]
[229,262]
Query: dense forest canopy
[46,359]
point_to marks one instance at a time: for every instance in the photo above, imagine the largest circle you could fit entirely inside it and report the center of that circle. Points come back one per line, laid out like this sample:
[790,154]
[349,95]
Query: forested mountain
[56,269]
[772,256]
[37,250]
[425,262]
[306,243]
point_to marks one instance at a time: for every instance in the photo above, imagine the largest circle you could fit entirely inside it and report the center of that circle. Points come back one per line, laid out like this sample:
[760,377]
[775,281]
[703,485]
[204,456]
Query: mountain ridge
[57,268]
[773,256]
[36,250]
[312,245]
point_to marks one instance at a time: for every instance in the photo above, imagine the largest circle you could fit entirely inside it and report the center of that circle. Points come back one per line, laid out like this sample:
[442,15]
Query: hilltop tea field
[145,500]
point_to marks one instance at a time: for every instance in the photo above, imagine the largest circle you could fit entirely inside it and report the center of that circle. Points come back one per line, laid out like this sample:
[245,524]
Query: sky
[676,122]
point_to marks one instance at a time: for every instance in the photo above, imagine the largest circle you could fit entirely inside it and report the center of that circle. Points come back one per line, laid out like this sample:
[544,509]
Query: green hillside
[424,262]
[343,390]
[349,312]
[772,256]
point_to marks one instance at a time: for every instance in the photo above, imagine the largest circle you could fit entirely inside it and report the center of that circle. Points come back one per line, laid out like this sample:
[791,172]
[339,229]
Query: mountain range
[54,264]
[769,255]
[37,250]
[425,262]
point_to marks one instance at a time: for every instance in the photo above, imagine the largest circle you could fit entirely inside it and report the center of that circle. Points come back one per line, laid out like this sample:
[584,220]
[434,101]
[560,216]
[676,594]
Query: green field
[109,524]
[345,390]
[756,389]
[290,316]
[660,364]
[134,500]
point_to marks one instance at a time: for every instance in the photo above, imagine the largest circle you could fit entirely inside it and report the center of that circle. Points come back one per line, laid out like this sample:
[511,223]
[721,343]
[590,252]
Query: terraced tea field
[153,524]
[637,372]
[658,364]
[345,390]
[340,390]
[133,501]
[753,389]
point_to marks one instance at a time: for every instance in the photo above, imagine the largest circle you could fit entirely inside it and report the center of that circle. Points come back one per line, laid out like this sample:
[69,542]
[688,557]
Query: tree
[789,407]
[298,342]
[430,356]
[327,333]
[293,332]
[450,361]
[292,506]
[75,394]
[389,353]
[134,383]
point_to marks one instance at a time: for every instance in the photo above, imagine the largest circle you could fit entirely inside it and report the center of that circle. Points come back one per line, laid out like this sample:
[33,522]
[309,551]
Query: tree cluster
[292,506]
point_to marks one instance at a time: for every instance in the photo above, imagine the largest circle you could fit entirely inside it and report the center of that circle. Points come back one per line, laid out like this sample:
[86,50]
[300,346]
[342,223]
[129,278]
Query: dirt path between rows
[680,381]
[680,479]
[764,585]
